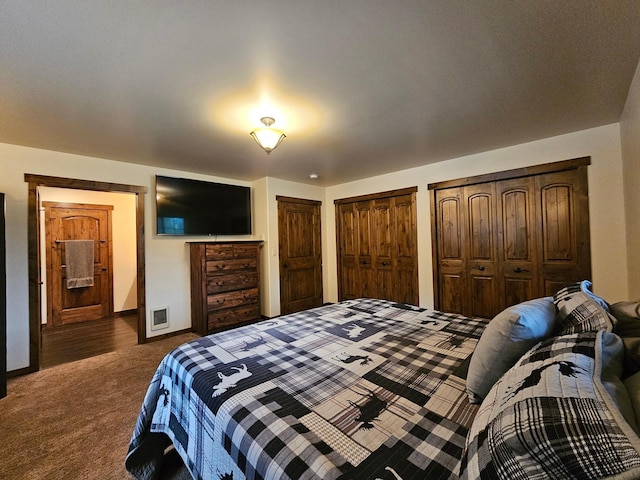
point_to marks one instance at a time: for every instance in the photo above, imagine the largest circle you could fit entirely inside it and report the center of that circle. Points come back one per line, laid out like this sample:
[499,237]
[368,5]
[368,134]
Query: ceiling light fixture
[268,138]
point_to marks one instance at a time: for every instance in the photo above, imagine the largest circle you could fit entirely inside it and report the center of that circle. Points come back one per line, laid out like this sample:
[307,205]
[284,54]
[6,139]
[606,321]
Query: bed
[372,389]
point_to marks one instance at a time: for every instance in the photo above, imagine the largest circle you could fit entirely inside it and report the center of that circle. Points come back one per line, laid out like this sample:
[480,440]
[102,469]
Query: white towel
[79,262]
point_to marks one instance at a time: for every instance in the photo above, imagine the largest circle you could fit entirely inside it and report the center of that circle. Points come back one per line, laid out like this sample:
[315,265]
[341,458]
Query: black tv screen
[195,207]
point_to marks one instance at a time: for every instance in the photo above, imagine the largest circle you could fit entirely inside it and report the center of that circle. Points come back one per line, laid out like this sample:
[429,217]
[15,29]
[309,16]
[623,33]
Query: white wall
[123,235]
[606,204]
[630,139]
[167,258]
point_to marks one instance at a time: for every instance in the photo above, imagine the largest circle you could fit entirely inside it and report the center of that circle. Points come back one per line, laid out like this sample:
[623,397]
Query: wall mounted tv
[194,207]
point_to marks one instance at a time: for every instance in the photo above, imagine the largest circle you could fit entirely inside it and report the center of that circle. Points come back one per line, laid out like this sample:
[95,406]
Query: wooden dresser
[225,284]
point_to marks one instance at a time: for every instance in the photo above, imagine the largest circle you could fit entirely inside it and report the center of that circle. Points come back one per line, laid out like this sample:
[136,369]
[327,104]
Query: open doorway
[36,258]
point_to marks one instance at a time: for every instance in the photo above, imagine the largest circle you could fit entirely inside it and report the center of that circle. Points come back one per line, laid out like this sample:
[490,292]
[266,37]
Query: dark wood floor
[87,339]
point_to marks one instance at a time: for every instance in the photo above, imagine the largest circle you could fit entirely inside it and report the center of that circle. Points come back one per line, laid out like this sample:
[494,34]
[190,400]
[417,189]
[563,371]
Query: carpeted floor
[74,421]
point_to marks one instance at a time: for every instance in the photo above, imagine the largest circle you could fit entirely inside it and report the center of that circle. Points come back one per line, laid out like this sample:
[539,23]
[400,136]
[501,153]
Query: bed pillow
[580,310]
[507,337]
[627,315]
[558,413]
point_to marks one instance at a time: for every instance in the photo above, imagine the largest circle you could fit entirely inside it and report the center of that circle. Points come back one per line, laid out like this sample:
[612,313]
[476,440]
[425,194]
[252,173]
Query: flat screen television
[194,207]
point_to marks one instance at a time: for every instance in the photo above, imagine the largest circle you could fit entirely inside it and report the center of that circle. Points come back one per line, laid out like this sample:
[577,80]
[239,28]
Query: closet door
[404,250]
[517,241]
[383,228]
[377,254]
[504,238]
[347,241]
[563,236]
[482,261]
[450,261]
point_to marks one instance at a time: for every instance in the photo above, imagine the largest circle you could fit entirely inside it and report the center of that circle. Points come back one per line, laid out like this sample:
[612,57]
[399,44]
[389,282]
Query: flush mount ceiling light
[268,138]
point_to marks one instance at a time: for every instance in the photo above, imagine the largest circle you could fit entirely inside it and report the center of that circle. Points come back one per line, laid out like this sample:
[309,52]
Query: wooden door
[540,230]
[300,248]
[377,246]
[404,249]
[383,260]
[519,275]
[564,239]
[347,243]
[450,261]
[65,221]
[481,257]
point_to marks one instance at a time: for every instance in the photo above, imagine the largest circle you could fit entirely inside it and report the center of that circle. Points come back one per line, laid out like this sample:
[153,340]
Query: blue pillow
[508,336]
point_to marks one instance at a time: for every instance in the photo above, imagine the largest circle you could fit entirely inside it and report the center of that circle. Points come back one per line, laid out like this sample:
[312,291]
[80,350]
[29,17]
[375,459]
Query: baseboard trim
[19,372]
[168,335]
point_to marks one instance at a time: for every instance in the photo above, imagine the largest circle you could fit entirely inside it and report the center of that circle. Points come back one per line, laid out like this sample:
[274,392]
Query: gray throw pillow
[628,316]
[508,336]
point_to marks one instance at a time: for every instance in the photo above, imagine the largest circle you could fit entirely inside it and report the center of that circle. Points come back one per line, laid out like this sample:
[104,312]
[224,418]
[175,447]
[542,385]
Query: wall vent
[159,318]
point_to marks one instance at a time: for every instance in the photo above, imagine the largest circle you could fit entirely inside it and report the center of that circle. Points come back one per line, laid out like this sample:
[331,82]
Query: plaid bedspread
[363,389]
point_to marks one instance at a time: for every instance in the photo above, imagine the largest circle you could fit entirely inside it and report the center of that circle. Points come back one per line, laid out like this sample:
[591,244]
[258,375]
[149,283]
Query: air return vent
[159,318]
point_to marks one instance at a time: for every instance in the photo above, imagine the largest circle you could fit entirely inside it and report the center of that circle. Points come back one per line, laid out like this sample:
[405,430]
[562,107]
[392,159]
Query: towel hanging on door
[79,262]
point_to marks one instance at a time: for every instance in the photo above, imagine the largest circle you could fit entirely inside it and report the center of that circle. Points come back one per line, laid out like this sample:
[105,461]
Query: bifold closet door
[377,247]
[502,239]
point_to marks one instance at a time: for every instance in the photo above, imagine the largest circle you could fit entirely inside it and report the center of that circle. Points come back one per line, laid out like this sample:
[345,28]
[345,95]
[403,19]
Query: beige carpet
[74,421]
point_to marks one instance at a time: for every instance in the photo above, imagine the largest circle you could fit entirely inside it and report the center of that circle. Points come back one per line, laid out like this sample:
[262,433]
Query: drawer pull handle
[480,267]
[520,270]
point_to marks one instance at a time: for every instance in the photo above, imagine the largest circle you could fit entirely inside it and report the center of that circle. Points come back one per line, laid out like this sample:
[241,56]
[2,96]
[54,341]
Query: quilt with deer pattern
[362,389]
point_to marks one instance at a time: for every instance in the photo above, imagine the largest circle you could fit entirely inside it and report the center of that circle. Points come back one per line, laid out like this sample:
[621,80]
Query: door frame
[33,249]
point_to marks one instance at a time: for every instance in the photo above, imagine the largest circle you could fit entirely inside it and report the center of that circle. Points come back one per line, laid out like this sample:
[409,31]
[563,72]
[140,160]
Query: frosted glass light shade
[268,138]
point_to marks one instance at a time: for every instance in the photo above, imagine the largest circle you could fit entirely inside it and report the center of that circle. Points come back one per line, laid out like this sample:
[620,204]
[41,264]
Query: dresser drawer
[237,250]
[231,265]
[218,252]
[232,299]
[227,283]
[227,318]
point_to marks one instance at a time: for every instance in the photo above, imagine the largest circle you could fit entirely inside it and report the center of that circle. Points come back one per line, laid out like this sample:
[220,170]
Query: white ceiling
[361,87]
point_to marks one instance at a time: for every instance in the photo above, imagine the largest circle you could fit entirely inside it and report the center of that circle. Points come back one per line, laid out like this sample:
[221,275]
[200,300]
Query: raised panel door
[405,249]
[564,237]
[347,252]
[366,279]
[517,240]
[383,260]
[451,279]
[481,258]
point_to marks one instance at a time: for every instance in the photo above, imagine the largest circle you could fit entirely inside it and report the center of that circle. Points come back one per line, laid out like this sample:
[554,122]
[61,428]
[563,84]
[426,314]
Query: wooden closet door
[404,250]
[377,252]
[564,237]
[366,280]
[347,232]
[517,240]
[451,258]
[481,257]
[383,263]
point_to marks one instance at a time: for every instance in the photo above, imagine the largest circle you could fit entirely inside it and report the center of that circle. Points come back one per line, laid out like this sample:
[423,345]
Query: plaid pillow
[580,310]
[551,416]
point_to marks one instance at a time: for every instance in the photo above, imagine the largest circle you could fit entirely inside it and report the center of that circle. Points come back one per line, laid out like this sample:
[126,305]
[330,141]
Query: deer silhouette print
[364,359]
[370,411]
[568,369]
[354,330]
[230,381]
[253,344]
